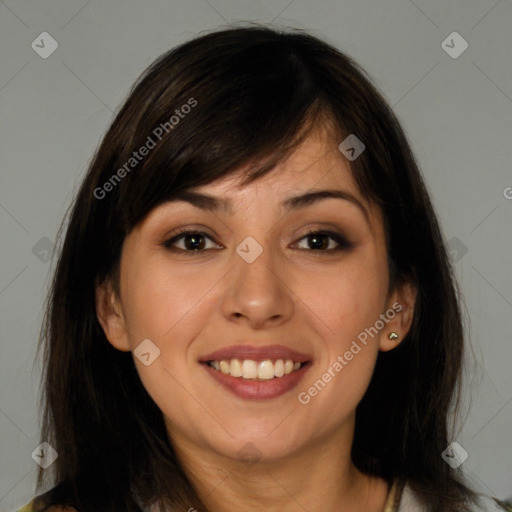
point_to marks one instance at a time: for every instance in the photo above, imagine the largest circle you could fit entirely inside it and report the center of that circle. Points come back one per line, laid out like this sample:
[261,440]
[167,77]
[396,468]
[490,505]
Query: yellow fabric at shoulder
[393,498]
[40,503]
[28,508]
[506,506]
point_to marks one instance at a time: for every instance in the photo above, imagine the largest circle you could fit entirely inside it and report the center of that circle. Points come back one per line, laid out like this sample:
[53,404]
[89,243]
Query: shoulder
[46,503]
[408,502]
[490,504]
[33,506]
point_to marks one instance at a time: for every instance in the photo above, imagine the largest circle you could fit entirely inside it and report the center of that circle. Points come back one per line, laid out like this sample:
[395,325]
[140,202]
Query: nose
[258,293]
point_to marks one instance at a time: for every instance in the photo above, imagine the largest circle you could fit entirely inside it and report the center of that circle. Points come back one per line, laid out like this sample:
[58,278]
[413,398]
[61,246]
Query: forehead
[316,163]
[314,171]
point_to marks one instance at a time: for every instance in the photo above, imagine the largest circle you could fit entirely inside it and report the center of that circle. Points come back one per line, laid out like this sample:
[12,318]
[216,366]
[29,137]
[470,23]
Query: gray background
[456,112]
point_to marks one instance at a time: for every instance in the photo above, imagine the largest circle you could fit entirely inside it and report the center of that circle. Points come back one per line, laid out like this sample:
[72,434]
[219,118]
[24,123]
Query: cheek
[158,301]
[349,302]
[347,298]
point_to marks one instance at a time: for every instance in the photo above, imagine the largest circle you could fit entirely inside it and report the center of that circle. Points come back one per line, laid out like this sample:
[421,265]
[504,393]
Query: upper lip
[256,353]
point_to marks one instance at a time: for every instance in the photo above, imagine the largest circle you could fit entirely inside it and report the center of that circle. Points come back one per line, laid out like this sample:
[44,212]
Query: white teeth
[224,367]
[249,369]
[266,370]
[279,368]
[235,368]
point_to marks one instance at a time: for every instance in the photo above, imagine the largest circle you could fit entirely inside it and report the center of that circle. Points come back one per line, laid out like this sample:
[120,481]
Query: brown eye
[319,241]
[193,241]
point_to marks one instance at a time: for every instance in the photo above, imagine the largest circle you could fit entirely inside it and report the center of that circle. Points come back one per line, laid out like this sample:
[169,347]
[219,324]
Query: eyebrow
[216,204]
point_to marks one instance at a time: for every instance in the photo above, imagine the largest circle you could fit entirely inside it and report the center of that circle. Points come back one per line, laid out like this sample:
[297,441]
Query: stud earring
[393,336]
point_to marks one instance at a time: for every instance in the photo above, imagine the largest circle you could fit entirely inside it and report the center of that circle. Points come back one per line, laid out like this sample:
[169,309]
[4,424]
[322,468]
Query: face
[255,284]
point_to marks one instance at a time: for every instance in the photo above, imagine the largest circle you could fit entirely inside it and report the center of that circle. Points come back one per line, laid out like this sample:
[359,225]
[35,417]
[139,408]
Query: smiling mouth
[250,369]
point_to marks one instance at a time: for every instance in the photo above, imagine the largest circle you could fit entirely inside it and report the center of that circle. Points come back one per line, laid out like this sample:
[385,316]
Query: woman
[253,305]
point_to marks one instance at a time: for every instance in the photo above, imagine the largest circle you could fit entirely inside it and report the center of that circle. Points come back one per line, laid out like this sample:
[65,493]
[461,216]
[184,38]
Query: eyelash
[343,243]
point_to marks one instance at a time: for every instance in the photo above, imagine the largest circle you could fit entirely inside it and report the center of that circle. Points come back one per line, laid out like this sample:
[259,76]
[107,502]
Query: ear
[401,302]
[110,316]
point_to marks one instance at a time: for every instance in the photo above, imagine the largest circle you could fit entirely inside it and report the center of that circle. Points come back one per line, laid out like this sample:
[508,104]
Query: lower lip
[259,390]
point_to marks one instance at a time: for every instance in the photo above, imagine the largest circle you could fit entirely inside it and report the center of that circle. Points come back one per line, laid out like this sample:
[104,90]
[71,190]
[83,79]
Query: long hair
[241,97]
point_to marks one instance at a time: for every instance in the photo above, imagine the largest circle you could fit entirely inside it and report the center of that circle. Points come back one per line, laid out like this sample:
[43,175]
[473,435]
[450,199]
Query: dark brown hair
[254,94]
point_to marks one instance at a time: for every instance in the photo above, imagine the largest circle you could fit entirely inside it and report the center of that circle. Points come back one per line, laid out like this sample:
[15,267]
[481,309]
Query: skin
[292,294]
